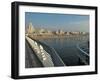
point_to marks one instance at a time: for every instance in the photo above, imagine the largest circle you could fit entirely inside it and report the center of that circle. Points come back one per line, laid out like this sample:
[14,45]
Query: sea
[66,47]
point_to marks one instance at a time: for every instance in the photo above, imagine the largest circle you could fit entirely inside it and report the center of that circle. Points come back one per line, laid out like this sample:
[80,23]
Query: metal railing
[55,57]
[84,53]
[57,61]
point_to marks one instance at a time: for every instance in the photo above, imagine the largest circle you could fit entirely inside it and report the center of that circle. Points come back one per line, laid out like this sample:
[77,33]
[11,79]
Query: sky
[53,21]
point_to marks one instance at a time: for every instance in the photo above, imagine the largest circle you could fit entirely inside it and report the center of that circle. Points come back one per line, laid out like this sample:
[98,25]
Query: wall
[5,40]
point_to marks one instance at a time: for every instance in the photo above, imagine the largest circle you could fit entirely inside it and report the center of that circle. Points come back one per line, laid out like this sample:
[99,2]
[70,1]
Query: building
[60,32]
[30,29]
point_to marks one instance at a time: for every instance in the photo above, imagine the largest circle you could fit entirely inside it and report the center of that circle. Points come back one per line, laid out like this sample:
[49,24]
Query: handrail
[82,50]
[55,52]
[50,63]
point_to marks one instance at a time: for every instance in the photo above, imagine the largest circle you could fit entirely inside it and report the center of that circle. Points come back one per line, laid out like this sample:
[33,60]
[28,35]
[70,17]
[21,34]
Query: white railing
[43,56]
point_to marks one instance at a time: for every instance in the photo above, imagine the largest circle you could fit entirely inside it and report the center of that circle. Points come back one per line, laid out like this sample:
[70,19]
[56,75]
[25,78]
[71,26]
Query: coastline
[56,36]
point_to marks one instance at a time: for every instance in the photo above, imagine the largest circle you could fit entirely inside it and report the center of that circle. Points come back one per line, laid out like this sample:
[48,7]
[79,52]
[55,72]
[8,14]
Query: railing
[55,57]
[84,54]
[43,56]
[57,61]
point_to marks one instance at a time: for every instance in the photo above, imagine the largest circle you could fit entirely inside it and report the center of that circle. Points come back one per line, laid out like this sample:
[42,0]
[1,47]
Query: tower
[30,28]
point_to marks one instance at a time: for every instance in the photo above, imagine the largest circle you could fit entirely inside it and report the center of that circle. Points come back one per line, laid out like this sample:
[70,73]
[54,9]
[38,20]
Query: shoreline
[52,36]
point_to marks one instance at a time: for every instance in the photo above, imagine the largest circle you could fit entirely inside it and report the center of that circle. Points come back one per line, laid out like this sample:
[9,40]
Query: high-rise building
[30,29]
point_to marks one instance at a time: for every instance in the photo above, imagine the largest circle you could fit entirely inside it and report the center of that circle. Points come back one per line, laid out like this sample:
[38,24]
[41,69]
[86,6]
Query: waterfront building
[60,32]
[30,29]
[67,33]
